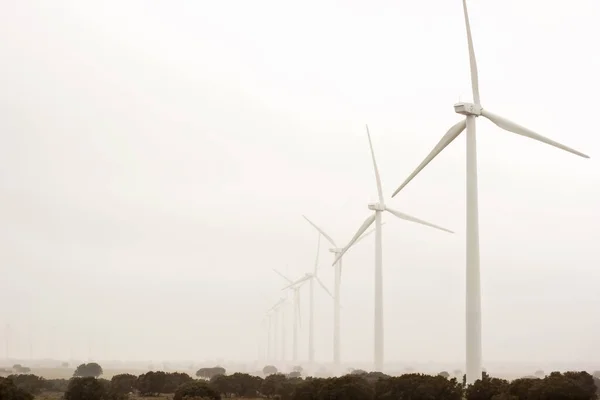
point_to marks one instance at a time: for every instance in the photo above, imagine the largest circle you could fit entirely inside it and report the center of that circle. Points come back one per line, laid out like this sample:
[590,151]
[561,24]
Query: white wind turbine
[376,217]
[311,278]
[273,315]
[472,111]
[297,317]
[336,291]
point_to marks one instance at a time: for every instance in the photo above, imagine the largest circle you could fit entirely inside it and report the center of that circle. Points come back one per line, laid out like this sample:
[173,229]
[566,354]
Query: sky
[157,158]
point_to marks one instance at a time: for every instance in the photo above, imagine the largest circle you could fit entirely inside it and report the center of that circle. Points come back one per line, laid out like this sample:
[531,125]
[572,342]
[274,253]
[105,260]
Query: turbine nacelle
[335,250]
[468,109]
[376,207]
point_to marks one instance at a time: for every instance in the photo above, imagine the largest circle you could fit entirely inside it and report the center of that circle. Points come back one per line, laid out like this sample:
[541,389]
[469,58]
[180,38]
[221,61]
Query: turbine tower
[297,316]
[379,208]
[336,292]
[471,111]
[311,278]
[273,314]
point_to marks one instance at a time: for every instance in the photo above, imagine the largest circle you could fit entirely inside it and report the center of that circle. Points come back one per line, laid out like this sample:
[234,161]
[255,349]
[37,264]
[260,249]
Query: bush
[418,386]
[121,385]
[196,390]
[87,388]
[56,385]
[30,383]
[88,370]
[269,370]
[209,373]
[8,391]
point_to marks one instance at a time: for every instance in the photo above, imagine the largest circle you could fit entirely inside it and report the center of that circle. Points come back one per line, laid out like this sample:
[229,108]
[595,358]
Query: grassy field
[67,373]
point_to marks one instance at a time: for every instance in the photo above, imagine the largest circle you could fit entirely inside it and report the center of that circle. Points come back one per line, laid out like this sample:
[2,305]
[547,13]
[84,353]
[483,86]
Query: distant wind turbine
[273,314]
[6,343]
[472,111]
[311,278]
[297,322]
[336,290]
[379,208]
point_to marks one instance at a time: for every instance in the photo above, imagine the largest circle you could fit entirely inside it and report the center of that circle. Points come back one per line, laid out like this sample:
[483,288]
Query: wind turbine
[472,111]
[297,317]
[311,278]
[379,208]
[273,314]
[336,290]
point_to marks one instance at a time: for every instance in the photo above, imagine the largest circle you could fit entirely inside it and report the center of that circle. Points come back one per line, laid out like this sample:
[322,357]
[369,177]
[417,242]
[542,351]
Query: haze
[156,159]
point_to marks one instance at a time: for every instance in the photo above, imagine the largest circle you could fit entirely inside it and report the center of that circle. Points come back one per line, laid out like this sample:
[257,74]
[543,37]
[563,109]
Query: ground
[58,396]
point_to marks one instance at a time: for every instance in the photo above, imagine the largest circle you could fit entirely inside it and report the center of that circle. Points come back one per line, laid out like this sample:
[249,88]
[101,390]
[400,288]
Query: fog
[157,158]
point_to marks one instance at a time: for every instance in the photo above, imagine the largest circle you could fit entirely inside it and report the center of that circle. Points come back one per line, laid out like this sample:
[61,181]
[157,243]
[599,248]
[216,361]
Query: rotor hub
[376,207]
[468,109]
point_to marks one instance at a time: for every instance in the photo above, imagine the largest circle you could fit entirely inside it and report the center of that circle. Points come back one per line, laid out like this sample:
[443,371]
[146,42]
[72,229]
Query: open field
[67,373]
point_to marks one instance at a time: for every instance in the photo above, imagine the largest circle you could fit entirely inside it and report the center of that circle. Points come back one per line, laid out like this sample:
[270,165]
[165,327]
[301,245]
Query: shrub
[196,389]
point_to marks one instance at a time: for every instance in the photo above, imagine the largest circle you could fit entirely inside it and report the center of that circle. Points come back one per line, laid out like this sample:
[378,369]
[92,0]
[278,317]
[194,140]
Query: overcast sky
[157,157]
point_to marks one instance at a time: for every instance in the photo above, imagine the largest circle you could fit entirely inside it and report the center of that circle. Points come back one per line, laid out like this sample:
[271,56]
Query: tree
[244,385]
[121,385]
[585,381]
[174,380]
[557,386]
[273,384]
[19,369]
[307,389]
[346,387]
[88,370]
[418,386]
[30,383]
[196,390]
[151,383]
[486,388]
[444,374]
[86,388]
[56,385]
[539,373]
[520,388]
[358,372]
[269,370]
[64,365]
[8,391]
[209,373]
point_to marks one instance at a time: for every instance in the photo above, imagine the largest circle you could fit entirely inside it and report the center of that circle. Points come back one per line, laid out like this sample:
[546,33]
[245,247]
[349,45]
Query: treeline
[215,384]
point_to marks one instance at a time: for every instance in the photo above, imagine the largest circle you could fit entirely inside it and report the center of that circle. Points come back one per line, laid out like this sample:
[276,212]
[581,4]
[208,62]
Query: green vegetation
[213,384]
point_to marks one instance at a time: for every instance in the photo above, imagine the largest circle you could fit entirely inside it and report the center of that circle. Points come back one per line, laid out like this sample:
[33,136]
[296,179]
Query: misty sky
[157,157]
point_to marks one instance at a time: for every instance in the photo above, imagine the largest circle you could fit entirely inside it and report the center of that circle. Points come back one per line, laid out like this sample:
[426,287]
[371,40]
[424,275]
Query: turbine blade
[317,258]
[297,282]
[360,231]
[377,177]
[299,309]
[276,306]
[407,217]
[323,286]
[283,276]
[445,141]
[520,130]
[321,231]
[366,234]
[472,60]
